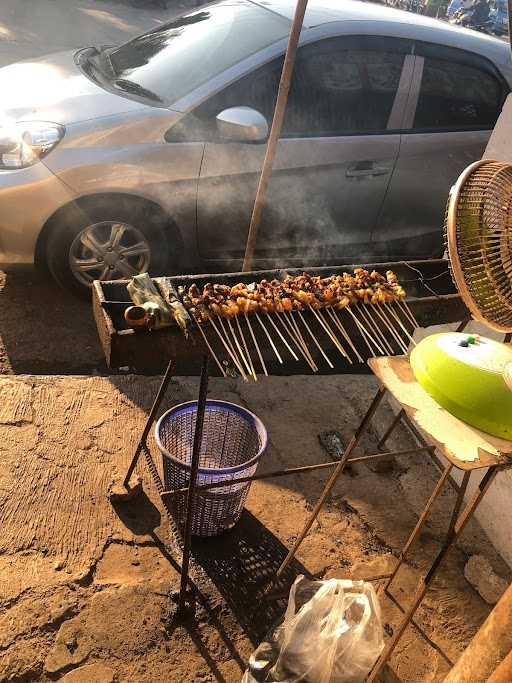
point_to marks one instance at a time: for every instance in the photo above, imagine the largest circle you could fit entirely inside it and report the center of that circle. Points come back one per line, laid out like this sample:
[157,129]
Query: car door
[454,102]
[334,160]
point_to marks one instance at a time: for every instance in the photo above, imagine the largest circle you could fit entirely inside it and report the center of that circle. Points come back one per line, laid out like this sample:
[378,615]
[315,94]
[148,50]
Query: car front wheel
[106,242]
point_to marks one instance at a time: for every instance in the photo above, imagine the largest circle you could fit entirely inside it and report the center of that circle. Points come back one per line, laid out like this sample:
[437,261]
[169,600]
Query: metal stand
[194,466]
[457,524]
[185,601]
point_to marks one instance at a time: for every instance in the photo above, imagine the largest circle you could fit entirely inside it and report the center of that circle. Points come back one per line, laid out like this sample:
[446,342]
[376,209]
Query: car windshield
[174,59]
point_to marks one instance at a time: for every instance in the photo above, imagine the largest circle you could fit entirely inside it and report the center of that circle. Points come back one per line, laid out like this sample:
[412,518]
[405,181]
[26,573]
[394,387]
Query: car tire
[80,231]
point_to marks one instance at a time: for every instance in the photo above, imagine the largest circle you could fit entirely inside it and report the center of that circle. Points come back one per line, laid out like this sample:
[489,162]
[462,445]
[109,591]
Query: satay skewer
[287,325]
[317,343]
[366,313]
[302,341]
[388,324]
[390,309]
[271,342]
[256,344]
[245,357]
[228,349]
[210,349]
[361,332]
[223,325]
[364,333]
[372,315]
[294,355]
[253,372]
[337,321]
[371,311]
[330,334]
[392,326]
[409,313]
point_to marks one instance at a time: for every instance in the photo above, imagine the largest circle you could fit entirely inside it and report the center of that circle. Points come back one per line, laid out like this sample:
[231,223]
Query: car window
[340,86]
[460,93]
[339,91]
[174,59]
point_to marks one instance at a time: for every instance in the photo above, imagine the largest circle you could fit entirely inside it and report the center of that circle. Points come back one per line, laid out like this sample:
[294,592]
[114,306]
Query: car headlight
[23,144]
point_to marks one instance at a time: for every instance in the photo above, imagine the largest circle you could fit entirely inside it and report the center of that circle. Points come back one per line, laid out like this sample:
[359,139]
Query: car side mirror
[242,124]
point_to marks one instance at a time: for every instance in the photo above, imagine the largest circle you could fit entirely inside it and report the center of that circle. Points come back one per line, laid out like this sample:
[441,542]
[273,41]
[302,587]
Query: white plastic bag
[331,633]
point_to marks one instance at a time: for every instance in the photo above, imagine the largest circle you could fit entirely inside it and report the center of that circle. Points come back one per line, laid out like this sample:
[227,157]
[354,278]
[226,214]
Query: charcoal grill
[431,298]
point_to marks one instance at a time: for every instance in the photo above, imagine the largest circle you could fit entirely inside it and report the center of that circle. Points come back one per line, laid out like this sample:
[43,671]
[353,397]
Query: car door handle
[365,168]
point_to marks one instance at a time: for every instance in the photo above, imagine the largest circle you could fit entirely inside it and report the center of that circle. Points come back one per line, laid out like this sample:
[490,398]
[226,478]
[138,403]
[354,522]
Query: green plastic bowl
[464,374]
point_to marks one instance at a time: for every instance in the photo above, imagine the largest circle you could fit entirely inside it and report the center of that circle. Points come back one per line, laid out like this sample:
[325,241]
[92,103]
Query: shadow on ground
[242,563]
[45,330]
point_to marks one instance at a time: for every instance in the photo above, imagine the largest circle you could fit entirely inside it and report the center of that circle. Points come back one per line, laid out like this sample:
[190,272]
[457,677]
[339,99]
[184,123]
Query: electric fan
[469,375]
[478,231]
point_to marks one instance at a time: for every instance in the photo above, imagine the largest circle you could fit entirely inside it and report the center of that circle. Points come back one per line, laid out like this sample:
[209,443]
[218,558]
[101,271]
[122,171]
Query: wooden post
[488,648]
[503,674]
[275,131]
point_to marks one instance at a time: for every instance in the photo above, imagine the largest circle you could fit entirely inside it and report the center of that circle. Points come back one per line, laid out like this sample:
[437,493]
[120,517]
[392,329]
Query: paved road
[29,28]
[43,329]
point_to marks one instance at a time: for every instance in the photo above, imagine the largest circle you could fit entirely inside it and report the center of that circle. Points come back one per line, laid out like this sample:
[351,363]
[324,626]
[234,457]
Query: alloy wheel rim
[109,250]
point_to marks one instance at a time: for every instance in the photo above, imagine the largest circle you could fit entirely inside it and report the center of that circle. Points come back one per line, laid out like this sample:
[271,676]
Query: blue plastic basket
[234,440]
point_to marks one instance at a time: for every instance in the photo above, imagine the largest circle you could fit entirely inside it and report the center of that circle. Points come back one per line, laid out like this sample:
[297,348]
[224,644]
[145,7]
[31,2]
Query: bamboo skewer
[364,313]
[410,314]
[386,324]
[297,340]
[398,336]
[399,328]
[391,328]
[374,338]
[364,333]
[317,343]
[330,333]
[253,373]
[302,341]
[382,328]
[230,353]
[406,317]
[287,327]
[268,337]
[390,309]
[335,318]
[211,350]
[248,364]
[225,331]
[256,344]
[282,338]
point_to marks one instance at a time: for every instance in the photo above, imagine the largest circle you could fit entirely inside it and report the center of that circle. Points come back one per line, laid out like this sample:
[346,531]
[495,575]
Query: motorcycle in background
[464,17]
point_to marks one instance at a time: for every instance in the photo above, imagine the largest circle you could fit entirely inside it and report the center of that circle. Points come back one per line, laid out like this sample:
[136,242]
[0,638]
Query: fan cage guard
[478,232]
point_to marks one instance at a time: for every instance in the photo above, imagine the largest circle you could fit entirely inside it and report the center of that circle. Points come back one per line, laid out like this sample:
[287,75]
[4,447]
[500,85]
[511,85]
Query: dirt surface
[84,587]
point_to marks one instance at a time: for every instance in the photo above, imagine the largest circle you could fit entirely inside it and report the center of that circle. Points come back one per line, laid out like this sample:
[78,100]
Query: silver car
[116,160]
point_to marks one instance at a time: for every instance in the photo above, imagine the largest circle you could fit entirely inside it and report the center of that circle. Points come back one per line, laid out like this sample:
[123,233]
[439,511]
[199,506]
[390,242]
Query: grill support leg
[151,418]
[333,479]
[421,521]
[457,526]
[390,429]
[194,467]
